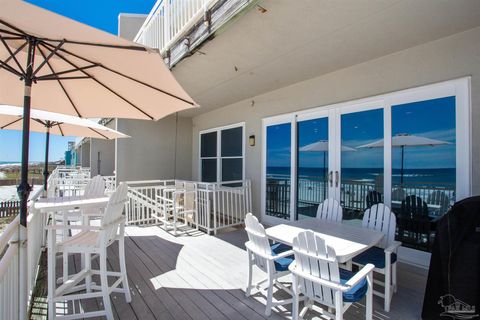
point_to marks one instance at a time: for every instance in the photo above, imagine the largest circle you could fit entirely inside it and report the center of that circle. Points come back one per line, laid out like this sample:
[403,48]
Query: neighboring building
[273,77]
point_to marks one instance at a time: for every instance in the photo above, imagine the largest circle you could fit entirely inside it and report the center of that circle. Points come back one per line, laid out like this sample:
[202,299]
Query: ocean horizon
[427,177]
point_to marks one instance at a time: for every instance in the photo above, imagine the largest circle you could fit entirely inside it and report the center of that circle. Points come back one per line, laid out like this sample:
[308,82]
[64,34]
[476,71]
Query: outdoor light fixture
[251,140]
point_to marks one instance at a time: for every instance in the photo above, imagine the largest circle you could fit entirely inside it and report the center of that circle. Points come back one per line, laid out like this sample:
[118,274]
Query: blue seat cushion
[375,256]
[282,263]
[358,291]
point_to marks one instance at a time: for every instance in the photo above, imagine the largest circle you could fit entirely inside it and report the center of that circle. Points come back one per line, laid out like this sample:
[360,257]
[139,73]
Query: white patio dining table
[347,240]
[60,204]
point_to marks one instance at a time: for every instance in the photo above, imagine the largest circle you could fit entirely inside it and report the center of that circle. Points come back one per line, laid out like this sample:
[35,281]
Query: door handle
[337,178]
[330,178]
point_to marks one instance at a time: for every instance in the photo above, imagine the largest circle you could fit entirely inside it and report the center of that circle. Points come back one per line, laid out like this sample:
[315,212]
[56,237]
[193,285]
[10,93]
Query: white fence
[169,20]
[15,290]
[219,205]
[72,181]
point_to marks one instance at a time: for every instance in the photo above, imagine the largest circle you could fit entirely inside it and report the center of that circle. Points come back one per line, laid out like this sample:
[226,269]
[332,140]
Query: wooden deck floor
[201,277]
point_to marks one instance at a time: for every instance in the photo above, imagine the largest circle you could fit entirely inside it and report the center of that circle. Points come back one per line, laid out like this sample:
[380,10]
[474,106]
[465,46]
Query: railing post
[20,240]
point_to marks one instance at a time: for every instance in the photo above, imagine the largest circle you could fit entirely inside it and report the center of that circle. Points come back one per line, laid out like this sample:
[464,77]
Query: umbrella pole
[45,169]
[401,168]
[24,188]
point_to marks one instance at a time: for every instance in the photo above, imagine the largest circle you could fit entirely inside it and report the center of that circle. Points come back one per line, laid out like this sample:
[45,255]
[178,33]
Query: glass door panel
[362,169]
[312,166]
[278,170]
[423,167]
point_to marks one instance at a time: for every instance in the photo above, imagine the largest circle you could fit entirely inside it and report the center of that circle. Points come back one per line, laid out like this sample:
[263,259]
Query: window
[222,154]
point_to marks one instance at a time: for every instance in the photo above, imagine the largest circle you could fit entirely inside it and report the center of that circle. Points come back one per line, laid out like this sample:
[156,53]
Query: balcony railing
[219,205]
[416,232]
[169,20]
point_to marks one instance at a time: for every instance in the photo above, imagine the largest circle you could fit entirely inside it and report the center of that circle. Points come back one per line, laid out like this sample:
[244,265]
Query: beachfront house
[273,79]
[360,101]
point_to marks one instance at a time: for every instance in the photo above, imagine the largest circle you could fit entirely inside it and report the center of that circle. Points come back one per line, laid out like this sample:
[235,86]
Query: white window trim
[219,157]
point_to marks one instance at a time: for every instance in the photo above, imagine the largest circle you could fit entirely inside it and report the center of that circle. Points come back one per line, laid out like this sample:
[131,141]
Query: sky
[101,14]
[433,119]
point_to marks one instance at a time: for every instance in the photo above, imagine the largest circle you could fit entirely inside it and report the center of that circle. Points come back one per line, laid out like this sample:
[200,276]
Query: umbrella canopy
[67,67]
[402,140]
[321,146]
[58,124]
[88,73]
[43,121]
[406,140]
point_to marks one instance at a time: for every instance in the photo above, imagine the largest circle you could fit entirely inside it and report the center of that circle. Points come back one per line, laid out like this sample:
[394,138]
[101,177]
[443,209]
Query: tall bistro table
[62,205]
[347,241]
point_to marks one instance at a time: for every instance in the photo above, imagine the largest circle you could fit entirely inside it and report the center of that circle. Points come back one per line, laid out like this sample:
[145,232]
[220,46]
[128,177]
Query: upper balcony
[177,27]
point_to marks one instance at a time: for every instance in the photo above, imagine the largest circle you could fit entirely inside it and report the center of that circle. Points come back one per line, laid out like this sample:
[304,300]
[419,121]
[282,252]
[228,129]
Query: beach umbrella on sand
[322,146]
[59,65]
[403,140]
[54,123]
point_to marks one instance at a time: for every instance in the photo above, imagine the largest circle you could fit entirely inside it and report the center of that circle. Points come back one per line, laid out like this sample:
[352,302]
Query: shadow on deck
[204,277]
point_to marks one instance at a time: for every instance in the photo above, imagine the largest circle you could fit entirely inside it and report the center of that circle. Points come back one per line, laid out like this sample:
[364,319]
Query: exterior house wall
[85,160]
[106,148]
[129,24]
[447,58]
[150,152]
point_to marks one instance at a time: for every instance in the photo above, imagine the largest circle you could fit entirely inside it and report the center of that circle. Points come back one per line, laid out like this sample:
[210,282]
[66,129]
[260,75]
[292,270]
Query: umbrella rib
[63,78]
[13,27]
[50,55]
[52,76]
[98,133]
[9,124]
[104,45]
[60,128]
[10,52]
[61,85]
[8,67]
[101,83]
[39,121]
[126,76]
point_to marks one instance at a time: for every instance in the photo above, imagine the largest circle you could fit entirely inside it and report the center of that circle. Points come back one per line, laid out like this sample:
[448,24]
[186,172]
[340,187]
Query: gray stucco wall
[106,148]
[85,160]
[129,24]
[107,154]
[448,58]
[150,152]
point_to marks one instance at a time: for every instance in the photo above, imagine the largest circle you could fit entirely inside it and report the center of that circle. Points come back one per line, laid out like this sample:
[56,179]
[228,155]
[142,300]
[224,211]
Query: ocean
[417,177]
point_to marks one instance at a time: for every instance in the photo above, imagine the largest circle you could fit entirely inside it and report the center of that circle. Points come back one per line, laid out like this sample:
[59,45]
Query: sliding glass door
[312,164]
[407,149]
[361,167]
[278,170]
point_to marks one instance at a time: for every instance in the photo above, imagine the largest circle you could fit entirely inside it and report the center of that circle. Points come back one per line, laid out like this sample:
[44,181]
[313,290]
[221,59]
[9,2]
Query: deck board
[203,277]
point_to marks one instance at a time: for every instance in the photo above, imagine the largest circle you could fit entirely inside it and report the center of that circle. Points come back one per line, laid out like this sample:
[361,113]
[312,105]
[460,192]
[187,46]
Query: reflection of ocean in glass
[418,177]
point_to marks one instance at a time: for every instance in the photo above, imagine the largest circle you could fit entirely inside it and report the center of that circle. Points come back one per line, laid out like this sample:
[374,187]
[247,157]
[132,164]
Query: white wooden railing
[219,205]
[72,181]
[169,20]
[15,290]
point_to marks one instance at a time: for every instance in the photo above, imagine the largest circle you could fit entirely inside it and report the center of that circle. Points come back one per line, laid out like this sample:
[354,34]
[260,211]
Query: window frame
[218,157]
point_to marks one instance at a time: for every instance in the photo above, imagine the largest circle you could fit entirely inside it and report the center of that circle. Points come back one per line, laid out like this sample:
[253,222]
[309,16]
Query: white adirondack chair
[331,210]
[384,257]
[91,240]
[273,260]
[317,276]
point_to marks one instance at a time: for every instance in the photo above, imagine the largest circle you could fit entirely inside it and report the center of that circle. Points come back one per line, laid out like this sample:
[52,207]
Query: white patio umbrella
[74,69]
[54,123]
[322,146]
[403,140]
